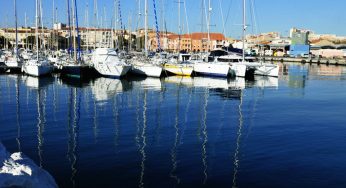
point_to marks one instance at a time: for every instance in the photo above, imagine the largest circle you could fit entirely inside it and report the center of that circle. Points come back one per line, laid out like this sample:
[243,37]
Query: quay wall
[327,61]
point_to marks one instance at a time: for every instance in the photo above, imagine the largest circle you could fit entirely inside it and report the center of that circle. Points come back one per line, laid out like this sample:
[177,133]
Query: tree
[2,42]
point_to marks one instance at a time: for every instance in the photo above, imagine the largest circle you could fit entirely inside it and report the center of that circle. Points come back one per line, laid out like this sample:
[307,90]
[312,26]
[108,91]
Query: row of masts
[74,32]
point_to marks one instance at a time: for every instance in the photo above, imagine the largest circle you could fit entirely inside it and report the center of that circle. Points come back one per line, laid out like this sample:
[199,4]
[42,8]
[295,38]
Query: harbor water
[182,131]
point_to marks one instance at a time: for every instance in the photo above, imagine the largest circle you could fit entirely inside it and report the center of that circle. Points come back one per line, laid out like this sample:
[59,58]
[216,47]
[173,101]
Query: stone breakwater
[17,170]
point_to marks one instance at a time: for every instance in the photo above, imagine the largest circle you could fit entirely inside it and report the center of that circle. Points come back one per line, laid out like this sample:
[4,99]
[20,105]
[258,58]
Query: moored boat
[107,62]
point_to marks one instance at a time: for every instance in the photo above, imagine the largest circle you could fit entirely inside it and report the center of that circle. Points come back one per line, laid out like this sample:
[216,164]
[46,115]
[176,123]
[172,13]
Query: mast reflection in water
[182,131]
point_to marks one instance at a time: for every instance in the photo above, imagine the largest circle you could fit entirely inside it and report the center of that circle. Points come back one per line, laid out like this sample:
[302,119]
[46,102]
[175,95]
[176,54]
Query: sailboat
[204,67]
[107,62]
[14,62]
[257,68]
[39,65]
[180,64]
[72,66]
[144,65]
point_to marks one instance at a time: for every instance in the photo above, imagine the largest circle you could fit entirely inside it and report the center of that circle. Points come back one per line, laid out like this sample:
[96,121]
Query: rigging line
[223,20]
[139,14]
[77,25]
[254,16]
[187,22]
[228,11]
[157,28]
[205,13]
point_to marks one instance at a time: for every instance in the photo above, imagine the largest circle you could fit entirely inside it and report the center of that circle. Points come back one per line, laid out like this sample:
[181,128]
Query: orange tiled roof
[198,36]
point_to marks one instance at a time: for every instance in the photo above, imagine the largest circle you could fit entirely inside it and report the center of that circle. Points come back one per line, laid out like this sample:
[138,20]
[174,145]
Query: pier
[326,61]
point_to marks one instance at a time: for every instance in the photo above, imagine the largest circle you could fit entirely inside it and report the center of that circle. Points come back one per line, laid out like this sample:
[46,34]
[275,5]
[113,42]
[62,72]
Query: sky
[321,16]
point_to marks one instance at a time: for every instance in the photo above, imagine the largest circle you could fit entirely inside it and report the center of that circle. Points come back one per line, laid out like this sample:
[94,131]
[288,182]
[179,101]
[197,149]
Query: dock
[326,61]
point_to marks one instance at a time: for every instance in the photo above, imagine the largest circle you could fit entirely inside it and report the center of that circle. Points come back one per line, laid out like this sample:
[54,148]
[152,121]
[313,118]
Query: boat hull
[267,70]
[238,70]
[37,70]
[147,70]
[115,71]
[72,70]
[179,69]
[212,69]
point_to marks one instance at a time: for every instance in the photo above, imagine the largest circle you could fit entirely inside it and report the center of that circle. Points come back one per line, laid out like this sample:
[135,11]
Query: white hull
[267,69]
[147,69]
[212,69]
[238,69]
[107,62]
[112,70]
[37,70]
[13,62]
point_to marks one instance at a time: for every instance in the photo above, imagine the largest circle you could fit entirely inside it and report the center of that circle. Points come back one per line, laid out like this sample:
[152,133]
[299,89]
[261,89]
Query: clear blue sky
[321,16]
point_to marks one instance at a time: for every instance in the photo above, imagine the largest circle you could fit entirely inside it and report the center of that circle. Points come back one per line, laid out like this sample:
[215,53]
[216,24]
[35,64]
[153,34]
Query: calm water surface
[180,131]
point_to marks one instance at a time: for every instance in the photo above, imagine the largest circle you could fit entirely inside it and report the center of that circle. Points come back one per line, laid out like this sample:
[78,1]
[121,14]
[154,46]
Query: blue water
[182,132]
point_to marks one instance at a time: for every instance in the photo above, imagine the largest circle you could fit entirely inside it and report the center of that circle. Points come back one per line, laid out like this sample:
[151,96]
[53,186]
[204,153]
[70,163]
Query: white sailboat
[216,67]
[14,61]
[73,65]
[144,65]
[39,65]
[258,68]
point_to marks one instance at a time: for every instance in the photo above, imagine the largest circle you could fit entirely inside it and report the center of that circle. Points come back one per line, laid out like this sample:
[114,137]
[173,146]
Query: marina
[181,131]
[164,93]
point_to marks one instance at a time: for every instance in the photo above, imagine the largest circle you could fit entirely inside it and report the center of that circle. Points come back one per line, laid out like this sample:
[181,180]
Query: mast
[77,29]
[15,15]
[42,28]
[53,21]
[146,27]
[87,25]
[95,20]
[36,29]
[157,28]
[179,27]
[244,28]
[114,34]
[26,34]
[130,32]
[208,26]
[69,26]
[74,31]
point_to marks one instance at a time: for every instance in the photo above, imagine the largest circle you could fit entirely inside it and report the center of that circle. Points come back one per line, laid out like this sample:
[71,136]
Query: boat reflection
[264,82]
[75,81]
[226,88]
[104,89]
[37,82]
[180,80]
[148,83]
